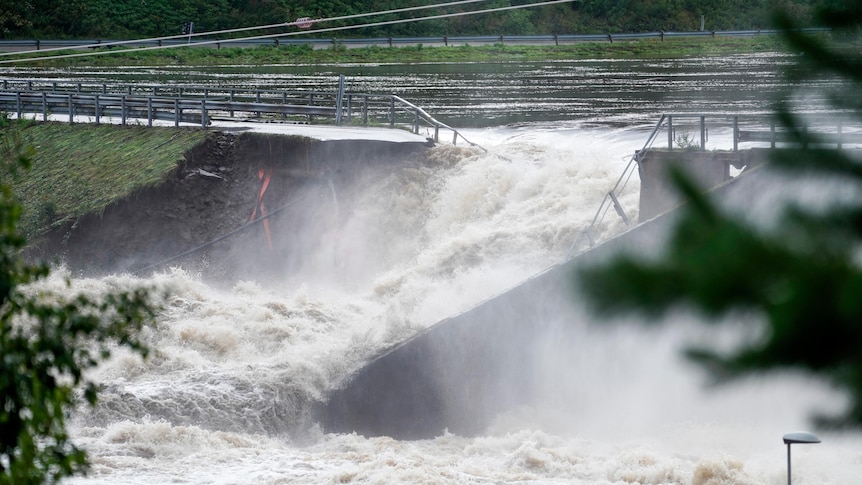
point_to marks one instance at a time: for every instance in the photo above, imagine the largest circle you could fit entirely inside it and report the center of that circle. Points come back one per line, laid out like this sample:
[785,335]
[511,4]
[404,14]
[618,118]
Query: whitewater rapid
[223,399]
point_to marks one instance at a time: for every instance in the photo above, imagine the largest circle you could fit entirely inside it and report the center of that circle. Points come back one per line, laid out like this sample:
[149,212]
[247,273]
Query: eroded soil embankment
[220,186]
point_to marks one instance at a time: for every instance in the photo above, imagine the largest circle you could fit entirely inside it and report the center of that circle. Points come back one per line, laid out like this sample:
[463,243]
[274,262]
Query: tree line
[133,19]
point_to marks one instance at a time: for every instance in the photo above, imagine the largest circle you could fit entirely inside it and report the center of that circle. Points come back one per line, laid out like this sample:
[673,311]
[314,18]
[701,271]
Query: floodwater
[506,93]
[222,400]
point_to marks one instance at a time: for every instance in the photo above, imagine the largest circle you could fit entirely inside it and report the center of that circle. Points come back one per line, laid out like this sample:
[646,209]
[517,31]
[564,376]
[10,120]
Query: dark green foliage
[47,342]
[128,19]
[803,276]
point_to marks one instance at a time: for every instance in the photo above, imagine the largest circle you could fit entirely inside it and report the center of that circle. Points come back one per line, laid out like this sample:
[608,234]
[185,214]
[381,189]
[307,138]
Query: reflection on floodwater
[486,94]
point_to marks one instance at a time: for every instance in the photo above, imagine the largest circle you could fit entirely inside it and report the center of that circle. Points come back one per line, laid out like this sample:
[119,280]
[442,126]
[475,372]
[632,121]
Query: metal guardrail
[550,39]
[201,105]
[757,129]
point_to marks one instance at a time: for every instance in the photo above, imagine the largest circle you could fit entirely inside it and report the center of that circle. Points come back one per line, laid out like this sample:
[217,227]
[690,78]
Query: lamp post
[797,437]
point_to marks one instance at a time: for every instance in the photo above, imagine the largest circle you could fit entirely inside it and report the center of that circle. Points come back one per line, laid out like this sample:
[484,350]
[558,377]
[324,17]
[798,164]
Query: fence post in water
[736,133]
[839,134]
[772,133]
[670,132]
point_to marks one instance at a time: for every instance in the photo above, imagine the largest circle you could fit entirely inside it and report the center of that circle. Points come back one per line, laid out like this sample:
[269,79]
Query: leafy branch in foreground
[803,275]
[47,343]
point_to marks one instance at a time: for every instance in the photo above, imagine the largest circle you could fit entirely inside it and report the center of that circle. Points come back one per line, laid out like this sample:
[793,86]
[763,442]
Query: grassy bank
[304,54]
[82,168]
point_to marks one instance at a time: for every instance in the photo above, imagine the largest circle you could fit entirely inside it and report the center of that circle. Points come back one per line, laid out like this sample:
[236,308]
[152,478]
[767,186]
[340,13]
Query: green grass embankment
[83,168]
[339,54]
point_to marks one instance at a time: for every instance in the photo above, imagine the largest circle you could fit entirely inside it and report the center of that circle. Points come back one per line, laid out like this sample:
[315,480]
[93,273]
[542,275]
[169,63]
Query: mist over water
[224,397]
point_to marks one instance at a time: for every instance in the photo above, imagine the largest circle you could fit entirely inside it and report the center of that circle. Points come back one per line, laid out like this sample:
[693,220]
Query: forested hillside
[129,19]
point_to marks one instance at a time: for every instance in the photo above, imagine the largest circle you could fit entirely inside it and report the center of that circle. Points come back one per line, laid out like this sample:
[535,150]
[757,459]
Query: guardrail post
[149,111]
[391,111]
[123,110]
[38,45]
[44,106]
[365,110]
[349,107]
[97,110]
[436,133]
[18,103]
[670,132]
[203,113]
[339,99]
[416,121]
[702,133]
[610,39]
[71,111]
[230,98]
[176,112]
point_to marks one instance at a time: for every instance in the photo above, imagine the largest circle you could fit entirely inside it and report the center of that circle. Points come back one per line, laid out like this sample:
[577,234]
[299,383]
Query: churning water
[223,398]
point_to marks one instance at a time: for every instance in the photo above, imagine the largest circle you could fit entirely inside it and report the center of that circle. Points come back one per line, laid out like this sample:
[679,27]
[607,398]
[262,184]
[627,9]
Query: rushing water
[221,400]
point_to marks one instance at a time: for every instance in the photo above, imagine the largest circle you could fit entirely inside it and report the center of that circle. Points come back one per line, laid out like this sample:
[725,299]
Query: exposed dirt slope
[214,193]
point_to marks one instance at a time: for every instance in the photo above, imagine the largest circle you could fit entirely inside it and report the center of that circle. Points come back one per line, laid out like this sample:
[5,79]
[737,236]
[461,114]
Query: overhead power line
[288,34]
[297,23]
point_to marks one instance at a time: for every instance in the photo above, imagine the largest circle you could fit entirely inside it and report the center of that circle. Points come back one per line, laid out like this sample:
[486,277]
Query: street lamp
[797,437]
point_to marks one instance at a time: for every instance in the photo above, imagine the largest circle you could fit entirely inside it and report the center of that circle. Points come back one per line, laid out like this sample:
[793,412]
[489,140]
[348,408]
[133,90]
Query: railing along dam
[146,103]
